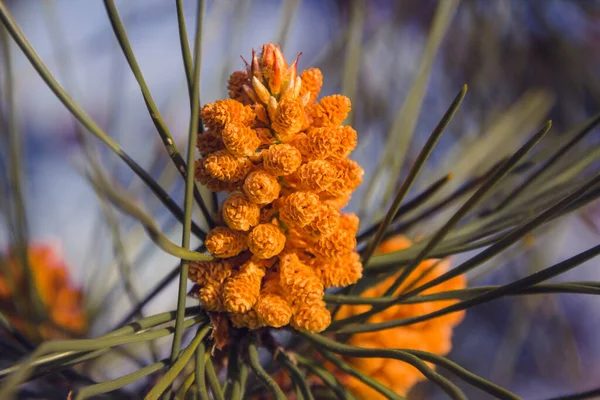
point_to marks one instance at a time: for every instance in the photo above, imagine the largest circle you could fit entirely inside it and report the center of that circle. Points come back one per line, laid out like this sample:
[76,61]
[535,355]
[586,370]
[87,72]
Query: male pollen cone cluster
[61,300]
[434,336]
[282,156]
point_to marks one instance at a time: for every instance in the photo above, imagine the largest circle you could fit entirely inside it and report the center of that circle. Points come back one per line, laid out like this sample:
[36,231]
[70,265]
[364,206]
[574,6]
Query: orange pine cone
[287,154]
[433,336]
[62,300]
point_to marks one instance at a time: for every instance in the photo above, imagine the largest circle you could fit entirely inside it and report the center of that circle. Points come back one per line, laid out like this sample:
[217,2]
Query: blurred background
[402,63]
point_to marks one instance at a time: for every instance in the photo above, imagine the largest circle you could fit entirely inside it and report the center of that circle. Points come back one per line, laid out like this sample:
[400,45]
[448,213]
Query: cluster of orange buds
[434,336]
[61,299]
[282,156]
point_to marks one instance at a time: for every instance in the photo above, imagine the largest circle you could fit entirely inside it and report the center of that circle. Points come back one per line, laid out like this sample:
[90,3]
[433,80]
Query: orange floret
[213,184]
[240,140]
[339,201]
[266,241]
[349,221]
[282,159]
[267,213]
[288,118]
[433,336]
[266,138]
[241,291]
[316,175]
[299,208]
[272,308]
[261,187]
[226,167]
[330,111]
[208,142]
[312,81]
[202,272]
[349,177]
[223,242]
[235,86]
[299,282]
[222,112]
[209,295]
[323,142]
[299,141]
[334,246]
[296,240]
[336,142]
[248,320]
[240,213]
[311,318]
[348,139]
[325,223]
[342,271]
